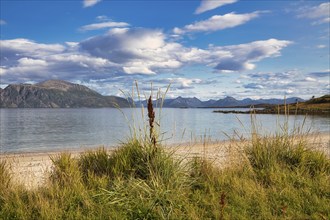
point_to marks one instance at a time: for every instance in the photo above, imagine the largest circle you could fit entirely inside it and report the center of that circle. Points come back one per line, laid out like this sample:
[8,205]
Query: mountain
[178,102]
[55,94]
[62,94]
[181,102]
[228,101]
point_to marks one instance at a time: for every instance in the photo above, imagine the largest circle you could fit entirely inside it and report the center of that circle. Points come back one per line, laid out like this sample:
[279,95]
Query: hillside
[319,105]
[55,94]
[315,106]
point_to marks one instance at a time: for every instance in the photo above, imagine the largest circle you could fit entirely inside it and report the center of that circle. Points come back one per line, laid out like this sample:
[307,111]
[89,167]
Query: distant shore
[276,112]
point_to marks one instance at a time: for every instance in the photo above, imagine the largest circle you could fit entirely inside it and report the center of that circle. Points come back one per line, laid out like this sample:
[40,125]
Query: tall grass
[277,177]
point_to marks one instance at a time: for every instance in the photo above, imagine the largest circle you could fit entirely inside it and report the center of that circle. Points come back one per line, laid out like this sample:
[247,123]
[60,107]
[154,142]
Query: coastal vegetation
[314,106]
[273,177]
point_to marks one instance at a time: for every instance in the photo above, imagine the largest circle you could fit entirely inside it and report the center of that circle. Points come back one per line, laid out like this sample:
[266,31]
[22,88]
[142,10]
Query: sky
[208,49]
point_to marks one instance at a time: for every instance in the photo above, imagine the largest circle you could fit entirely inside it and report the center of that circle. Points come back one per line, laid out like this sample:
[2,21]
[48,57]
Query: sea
[46,130]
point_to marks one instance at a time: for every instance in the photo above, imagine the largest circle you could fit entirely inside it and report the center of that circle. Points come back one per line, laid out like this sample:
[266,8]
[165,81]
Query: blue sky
[208,48]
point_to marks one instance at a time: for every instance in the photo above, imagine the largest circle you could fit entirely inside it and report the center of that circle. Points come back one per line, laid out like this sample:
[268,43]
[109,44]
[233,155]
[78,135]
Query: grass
[314,106]
[277,177]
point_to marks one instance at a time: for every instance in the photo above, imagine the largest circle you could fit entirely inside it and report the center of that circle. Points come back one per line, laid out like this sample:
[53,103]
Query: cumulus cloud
[217,22]
[243,56]
[23,59]
[3,22]
[145,51]
[102,25]
[180,83]
[25,66]
[207,5]
[21,47]
[320,13]
[90,3]
[139,51]
[124,51]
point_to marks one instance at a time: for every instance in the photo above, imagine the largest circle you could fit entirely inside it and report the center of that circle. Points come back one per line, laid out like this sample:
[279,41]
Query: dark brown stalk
[151,116]
[222,203]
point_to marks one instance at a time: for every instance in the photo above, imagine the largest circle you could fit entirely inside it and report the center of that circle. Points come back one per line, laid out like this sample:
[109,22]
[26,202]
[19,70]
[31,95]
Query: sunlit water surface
[35,130]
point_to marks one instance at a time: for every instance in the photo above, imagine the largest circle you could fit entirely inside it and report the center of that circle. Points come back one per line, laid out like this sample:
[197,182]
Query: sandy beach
[32,169]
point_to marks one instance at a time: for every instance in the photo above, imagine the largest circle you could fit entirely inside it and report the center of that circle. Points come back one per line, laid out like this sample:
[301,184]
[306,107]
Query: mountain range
[62,94]
[227,102]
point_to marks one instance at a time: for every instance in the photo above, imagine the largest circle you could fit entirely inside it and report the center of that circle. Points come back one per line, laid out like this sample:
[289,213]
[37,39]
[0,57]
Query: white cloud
[289,91]
[138,50]
[124,51]
[207,5]
[102,18]
[217,22]
[102,25]
[293,82]
[187,83]
[181,82]
[90,3]
[3,22]
[31,62]
[310,79]
[137,68]
[321,46]
[241,57]
[320,14]
[82,60]
[26,68]
[21,47]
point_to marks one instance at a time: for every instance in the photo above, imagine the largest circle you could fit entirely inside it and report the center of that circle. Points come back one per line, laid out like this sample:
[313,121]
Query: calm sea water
[35,130]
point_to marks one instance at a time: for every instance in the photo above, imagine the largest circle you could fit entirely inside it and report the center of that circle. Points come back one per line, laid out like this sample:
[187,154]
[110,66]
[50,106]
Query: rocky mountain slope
[55,94]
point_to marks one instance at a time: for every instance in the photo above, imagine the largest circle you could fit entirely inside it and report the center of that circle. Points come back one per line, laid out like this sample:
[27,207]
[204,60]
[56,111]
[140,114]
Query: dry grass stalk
[151,116]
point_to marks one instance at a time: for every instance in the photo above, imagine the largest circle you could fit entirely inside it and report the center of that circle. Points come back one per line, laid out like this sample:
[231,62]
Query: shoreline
[113,147]
[32,169]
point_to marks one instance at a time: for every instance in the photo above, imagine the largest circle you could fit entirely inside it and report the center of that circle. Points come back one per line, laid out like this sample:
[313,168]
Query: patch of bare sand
[32,169]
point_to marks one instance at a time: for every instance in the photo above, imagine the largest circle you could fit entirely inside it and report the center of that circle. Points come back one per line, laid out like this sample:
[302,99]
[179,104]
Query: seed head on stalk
[151,116]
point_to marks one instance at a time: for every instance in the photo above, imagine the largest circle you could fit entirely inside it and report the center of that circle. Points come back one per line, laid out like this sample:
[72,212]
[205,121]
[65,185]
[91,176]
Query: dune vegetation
[276,177]
[314,106]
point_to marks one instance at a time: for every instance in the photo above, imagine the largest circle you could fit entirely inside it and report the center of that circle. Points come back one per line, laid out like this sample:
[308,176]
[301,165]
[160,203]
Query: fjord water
[36,130]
